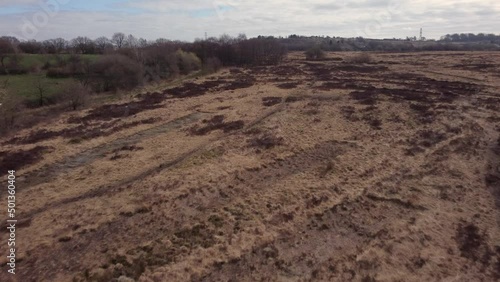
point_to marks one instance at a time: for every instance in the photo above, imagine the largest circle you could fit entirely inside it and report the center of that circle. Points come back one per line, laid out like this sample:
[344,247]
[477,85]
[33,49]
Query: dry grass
[240,178]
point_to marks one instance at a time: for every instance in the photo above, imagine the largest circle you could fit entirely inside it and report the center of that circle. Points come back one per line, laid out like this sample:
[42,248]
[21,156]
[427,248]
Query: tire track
[49,172]
[253,181]
[105,189]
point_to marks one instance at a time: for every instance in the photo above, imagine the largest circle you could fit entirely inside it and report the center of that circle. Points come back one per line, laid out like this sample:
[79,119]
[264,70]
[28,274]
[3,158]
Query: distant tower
[421,33]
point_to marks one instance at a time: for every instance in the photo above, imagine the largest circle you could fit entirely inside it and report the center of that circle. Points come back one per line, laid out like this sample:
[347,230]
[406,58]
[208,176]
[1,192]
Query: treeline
[471,37]
[230,50]
[121,63]
[127,61]
[79,45]
[326,43]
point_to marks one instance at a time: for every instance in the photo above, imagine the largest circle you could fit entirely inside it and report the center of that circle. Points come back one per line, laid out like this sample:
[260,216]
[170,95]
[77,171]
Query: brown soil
[307,171]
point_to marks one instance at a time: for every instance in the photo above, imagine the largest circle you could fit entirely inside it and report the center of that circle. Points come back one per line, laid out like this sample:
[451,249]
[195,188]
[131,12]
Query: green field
[30,61]
[26,85]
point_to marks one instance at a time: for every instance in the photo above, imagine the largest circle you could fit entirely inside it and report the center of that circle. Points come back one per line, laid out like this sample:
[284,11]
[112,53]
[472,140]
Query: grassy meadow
[25,85]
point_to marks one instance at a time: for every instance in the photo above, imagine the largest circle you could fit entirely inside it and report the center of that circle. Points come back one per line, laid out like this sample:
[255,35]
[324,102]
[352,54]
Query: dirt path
[95,153]
[49,172]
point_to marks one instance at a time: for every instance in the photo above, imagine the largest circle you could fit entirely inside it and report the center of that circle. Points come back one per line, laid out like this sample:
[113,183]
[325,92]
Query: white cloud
[186,20]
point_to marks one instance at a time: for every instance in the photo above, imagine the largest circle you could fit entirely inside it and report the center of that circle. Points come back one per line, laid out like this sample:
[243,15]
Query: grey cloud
[171,19]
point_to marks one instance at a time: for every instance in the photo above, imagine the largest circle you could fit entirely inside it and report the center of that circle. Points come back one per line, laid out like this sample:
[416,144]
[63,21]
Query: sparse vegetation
[113,72]
[75,95]
[11,107]
[6,49]
[271,101]
[212,65]
[360,58]
[315,53]
[266,140]
[217,123]
[187,62]
[22,158]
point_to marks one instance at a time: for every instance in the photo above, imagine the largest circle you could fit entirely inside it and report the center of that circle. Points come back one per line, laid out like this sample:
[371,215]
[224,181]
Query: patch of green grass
[26,85]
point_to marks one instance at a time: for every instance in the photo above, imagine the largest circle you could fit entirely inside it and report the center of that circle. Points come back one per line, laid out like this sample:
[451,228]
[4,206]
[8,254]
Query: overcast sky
[187,20]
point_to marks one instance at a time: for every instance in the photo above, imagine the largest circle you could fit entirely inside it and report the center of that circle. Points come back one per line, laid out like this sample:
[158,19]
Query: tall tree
[6,48]
[102,44]
[131,42]
[118,39]
[143,43]
[31,47]
[83,45]
[60,44]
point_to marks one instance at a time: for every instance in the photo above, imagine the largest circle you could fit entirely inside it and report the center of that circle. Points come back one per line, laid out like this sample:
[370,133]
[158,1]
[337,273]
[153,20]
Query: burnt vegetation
[82,132]
[22,158]
[216,123]
[271,101]
[126,62]
[265,140]
[473,245]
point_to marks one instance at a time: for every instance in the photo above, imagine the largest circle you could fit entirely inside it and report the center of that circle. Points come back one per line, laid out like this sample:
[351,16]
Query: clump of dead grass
[360,58]
[266,140]
[217,123]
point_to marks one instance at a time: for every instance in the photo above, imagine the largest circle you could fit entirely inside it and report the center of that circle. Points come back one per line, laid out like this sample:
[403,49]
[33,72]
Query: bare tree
[31,47]
[161,41]
[49,47]
[118,39]
[55,46]
[143,43]
[13,40]
[60,44]
[41,89]
[226,39]
[131,42]
[6,49]
[83,45]
[103,43]
[75,94]
[10,109]
[241,37]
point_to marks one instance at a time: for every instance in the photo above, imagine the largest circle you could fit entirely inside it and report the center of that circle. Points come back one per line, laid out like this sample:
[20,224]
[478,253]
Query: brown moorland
[306,171]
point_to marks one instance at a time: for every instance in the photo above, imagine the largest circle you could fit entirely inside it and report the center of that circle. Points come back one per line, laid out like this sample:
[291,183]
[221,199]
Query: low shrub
[266,141]
[212,65]
[113,72]
[13,70]
[10,110]
[315,53]
[74,95]
[58,73]
[187,62]
[360,58]
[260,51]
